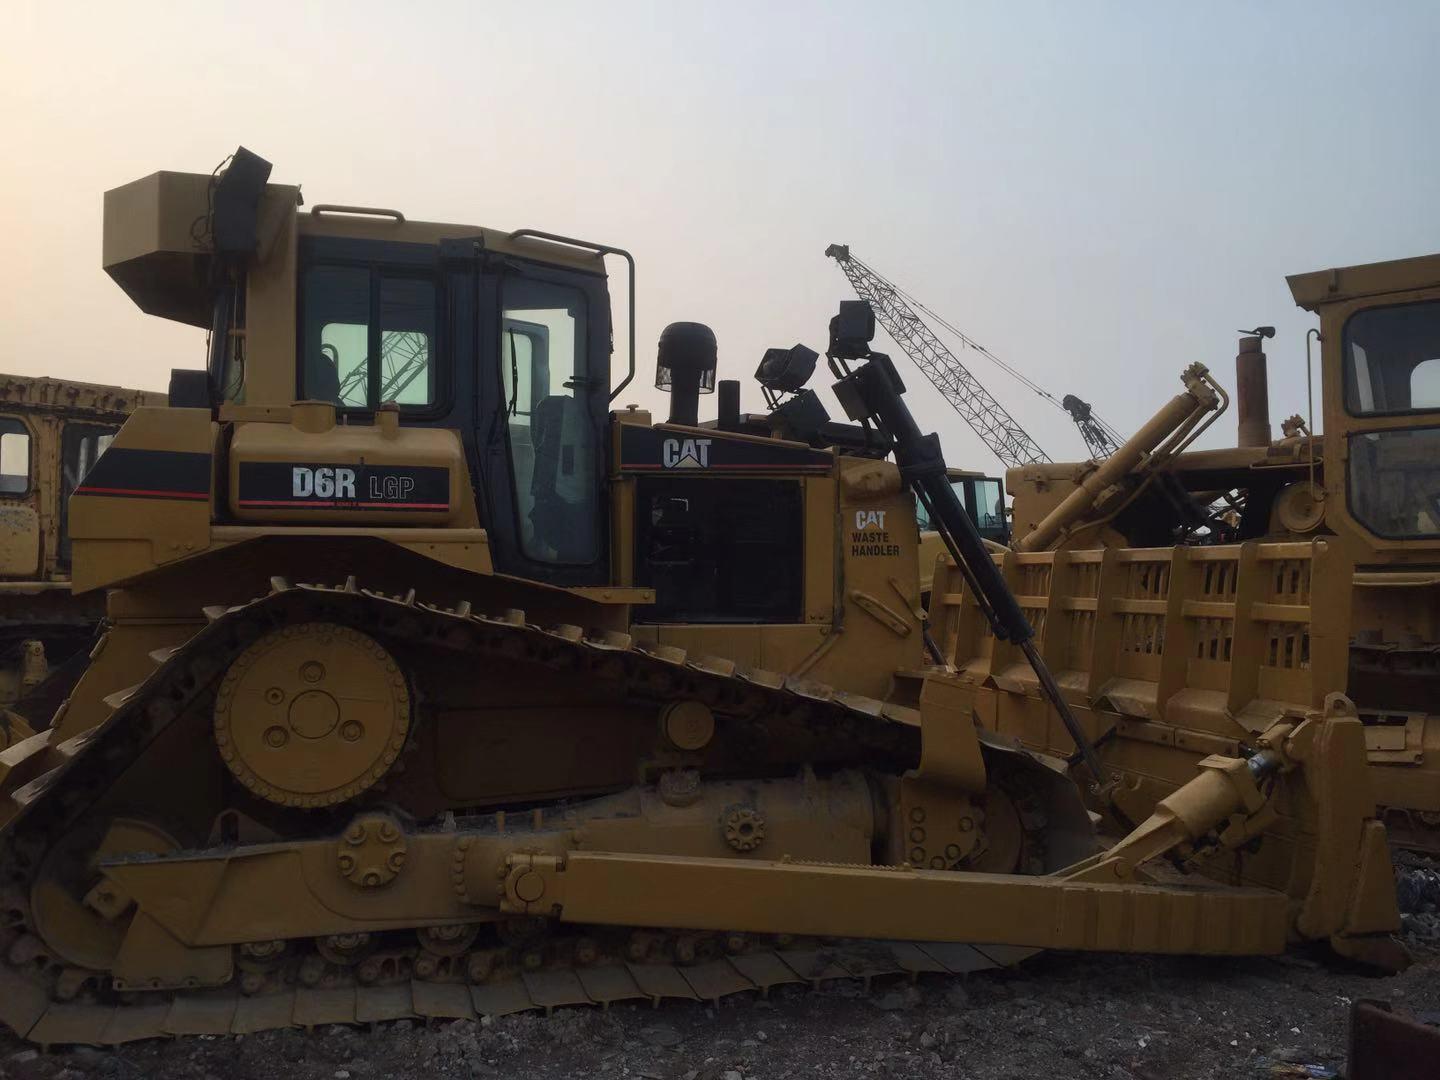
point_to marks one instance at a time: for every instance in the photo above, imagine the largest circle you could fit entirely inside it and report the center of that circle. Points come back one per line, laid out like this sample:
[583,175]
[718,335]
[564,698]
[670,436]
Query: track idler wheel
[74,909]
[312,715]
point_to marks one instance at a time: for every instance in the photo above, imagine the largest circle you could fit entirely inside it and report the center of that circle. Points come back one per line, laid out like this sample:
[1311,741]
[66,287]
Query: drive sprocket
[312,715]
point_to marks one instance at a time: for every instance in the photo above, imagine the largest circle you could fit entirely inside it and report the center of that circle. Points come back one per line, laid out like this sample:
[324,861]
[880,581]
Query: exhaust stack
[1252,389]
[686,367]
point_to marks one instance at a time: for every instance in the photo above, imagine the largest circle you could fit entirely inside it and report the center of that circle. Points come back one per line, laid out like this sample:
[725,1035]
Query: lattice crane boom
[977,406]
[404,355]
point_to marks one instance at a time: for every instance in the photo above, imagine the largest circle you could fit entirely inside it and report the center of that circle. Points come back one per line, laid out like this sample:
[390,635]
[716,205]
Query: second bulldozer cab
[1361,470]
[983,498]
[51,433]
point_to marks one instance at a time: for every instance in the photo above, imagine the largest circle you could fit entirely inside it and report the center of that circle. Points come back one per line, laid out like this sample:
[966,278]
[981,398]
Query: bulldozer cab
[503,339]
[511,352]
[1380,329]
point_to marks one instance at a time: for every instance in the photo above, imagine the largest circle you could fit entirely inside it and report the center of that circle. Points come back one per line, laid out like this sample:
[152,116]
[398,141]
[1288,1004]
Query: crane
[1100,438]
[999,430]
[404,354]
[1011,443]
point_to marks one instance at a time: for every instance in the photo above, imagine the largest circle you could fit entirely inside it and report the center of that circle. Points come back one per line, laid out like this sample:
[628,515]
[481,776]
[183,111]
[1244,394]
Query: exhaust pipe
[1252,391]
[729,415]
[686,367]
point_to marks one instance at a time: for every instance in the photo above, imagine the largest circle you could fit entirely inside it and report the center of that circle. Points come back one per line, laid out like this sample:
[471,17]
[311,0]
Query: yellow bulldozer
[1189,599]
[433,686]
[51,432]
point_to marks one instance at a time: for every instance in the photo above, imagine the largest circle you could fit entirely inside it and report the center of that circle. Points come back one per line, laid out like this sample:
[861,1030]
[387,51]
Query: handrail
[602,250]
[363,211]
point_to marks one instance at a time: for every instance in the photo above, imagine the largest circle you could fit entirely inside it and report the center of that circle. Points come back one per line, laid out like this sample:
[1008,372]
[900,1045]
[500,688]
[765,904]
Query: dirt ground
[1057,1015]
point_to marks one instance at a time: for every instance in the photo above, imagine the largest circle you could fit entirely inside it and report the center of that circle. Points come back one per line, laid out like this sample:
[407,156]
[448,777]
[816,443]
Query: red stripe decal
[143,493]
[306,503]
[722,468]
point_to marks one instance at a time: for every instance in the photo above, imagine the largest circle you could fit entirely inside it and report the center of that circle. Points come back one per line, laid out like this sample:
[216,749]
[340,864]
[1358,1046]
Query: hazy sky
[1099,193]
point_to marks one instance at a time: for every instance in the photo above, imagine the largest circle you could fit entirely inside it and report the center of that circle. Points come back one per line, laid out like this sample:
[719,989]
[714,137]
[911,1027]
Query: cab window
[1392,360]
[553,445]
[1394,482]
[14,457]
[984,501]
[989,506]
[368,338]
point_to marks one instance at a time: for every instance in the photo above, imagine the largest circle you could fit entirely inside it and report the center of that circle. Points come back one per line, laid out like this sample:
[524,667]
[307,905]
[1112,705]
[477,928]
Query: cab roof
[156,248]
[1369,279]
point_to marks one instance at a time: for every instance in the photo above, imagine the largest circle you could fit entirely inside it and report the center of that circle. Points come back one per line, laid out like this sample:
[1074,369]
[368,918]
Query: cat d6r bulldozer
[432,686]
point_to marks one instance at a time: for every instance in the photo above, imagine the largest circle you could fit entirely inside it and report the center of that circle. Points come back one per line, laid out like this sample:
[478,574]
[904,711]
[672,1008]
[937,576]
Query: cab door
[543,381]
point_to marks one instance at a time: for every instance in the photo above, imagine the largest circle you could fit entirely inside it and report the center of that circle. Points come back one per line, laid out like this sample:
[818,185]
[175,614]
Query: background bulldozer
[1189,599]
[432,686]
[51,432]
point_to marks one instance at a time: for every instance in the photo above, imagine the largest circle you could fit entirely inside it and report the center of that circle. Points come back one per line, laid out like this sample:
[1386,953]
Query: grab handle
[602,250]
[363,211]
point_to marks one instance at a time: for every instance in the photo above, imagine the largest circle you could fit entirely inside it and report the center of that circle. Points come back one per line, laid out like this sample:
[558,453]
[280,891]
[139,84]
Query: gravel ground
[1057,1015]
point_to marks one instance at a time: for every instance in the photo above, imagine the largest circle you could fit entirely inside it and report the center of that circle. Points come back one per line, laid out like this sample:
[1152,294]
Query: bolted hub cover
[312,715]
[743,827]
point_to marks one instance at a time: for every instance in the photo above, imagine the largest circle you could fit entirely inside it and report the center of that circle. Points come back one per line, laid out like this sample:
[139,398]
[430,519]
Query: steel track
[48,1002]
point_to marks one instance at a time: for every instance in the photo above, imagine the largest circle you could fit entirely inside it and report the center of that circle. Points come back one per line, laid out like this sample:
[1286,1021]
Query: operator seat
[322,375]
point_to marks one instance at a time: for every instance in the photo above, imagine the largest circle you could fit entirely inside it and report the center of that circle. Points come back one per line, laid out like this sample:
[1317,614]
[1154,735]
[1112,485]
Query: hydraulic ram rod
[873,390]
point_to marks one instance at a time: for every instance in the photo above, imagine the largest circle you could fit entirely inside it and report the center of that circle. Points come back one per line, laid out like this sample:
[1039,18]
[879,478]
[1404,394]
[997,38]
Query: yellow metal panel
[120,538]
[354,445]
[911,905]
[19,540]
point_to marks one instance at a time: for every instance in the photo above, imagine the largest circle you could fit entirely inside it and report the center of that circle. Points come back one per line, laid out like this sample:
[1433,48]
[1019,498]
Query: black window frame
[382,259]
[1347,380]
[14,425]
